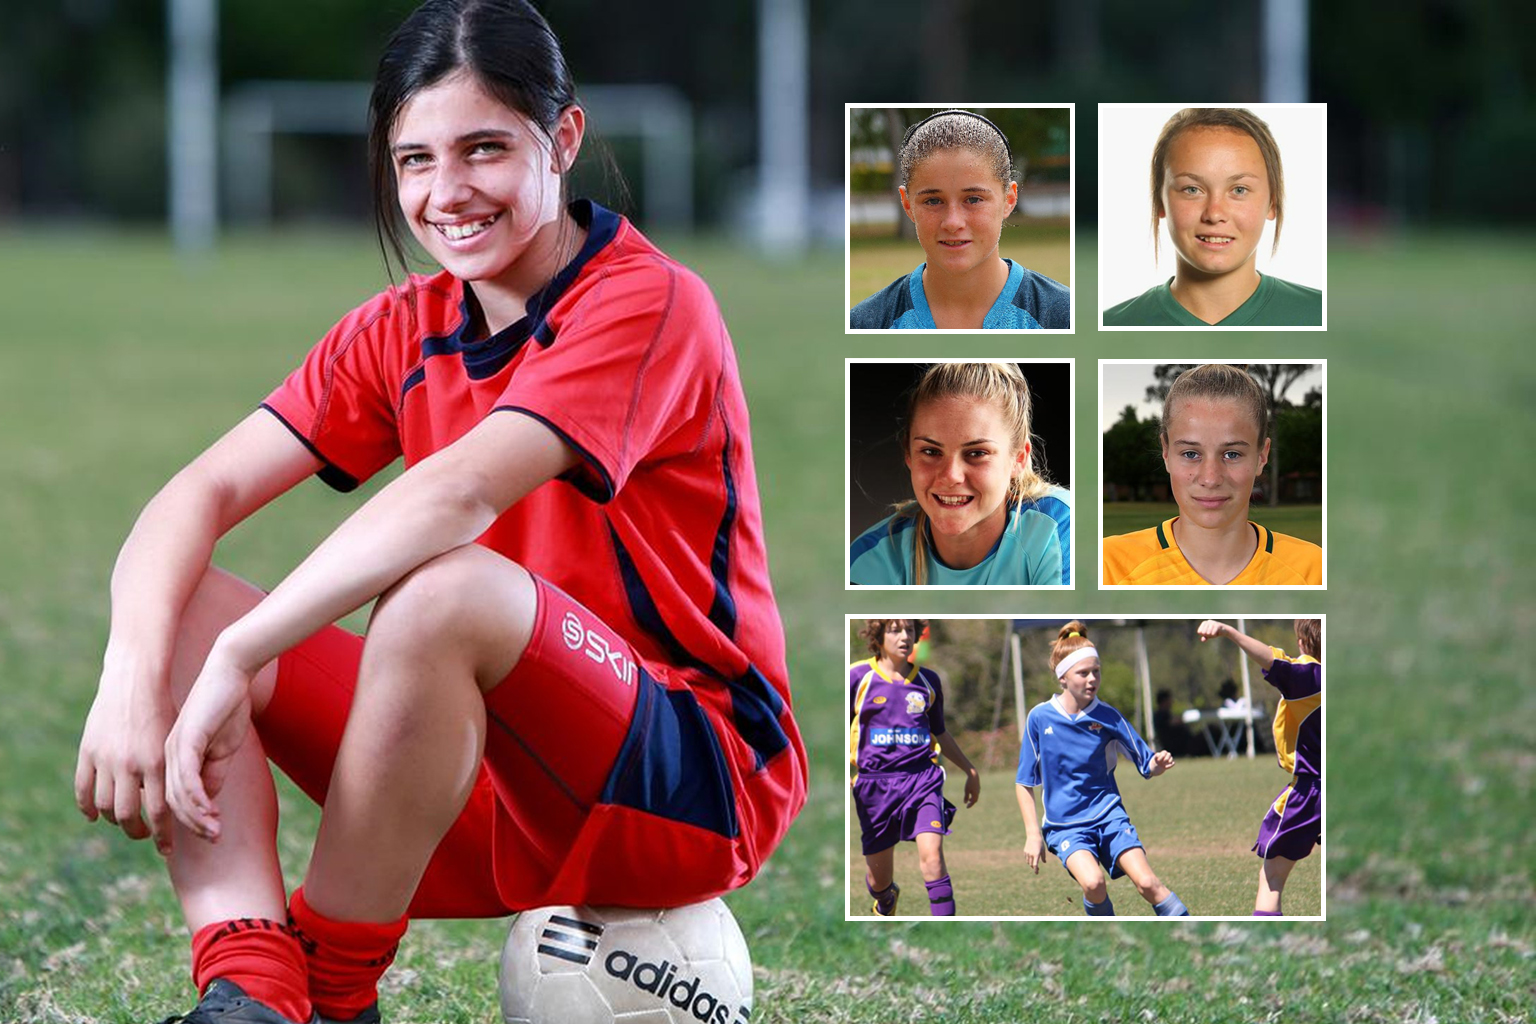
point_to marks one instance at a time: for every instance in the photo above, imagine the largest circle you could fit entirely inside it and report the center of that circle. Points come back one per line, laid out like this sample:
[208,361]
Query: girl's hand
[1161,762]
[209,731]
[120,773]
[1034,850]
[972,787]
[1210,628]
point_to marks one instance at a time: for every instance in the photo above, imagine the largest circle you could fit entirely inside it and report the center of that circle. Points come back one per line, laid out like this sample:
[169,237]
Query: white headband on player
[1076,656]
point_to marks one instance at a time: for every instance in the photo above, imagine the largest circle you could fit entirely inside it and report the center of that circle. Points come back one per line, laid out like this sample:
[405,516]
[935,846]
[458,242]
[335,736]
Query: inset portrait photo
[1213,474]
[1079,767]
[1213,216]
[960,473]
[960,218]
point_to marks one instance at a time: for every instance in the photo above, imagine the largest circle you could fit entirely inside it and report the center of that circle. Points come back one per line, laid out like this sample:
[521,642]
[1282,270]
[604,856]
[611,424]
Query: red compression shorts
[603,780]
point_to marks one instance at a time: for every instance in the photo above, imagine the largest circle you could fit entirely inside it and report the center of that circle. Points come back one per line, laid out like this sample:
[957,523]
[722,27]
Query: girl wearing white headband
[1069,748]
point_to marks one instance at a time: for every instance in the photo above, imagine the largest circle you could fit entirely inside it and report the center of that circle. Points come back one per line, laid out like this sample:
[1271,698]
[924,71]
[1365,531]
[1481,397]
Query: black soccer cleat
[224,1002]
[887,907]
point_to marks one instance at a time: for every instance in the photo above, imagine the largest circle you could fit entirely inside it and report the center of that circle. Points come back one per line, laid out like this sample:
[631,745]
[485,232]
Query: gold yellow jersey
[1152,557]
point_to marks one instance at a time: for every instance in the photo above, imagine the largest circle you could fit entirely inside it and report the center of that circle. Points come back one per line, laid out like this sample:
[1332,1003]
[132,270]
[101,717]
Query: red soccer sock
[346,958]
[262,957]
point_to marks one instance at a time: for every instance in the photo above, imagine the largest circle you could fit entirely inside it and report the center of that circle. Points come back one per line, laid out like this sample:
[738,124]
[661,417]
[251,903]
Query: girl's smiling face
[1215,199]
[477,180]
[961,456]
[958,206]
[1213,455]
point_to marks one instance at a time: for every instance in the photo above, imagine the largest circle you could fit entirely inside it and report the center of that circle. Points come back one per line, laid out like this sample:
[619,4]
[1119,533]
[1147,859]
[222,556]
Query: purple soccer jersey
[1299,718]
[894,721]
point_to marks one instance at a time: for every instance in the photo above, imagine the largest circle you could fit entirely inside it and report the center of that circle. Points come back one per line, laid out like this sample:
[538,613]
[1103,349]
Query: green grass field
[120,364]
[1304,521]
[1196,822]
[876,262]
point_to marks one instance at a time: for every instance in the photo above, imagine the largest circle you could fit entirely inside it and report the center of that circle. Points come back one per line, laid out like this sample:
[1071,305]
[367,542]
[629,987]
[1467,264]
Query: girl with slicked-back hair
[573,608]
[955,178]
[1216,181]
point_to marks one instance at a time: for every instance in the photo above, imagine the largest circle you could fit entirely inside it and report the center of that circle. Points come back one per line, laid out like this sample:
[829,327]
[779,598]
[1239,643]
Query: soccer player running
[1293,825]
[1070,746]
[572,688]
[895,738]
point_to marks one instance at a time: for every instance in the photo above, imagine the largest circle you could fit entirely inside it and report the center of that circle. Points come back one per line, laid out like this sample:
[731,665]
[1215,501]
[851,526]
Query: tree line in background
[82,128]
[1133,461]
[968,655]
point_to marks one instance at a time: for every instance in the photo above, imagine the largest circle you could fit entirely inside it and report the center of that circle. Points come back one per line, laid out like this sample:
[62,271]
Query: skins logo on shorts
[661,981]
[578,638]
[916,703]
[569,939]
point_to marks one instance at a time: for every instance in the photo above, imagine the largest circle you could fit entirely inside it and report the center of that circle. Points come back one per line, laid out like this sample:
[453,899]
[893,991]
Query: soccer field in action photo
[122,363]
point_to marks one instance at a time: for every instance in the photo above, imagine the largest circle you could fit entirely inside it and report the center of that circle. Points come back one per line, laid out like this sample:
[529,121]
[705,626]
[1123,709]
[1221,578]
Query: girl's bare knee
[470,606]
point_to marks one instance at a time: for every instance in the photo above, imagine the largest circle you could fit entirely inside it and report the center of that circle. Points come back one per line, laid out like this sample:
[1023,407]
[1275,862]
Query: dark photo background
[878,395]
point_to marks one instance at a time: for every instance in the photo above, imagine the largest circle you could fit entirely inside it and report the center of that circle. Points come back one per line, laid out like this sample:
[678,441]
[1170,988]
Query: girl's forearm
[1026,797]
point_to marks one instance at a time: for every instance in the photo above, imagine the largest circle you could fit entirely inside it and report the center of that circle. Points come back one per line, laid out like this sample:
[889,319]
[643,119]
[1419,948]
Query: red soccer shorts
[604,779]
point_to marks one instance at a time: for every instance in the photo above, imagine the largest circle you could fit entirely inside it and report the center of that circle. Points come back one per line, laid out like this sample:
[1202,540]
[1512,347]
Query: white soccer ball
[592,965]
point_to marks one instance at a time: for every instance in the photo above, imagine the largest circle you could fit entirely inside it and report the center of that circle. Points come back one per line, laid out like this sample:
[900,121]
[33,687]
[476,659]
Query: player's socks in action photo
[1105,909]
[1267,913]
[941,897]
[885,899]
[1171,907]
[254,960]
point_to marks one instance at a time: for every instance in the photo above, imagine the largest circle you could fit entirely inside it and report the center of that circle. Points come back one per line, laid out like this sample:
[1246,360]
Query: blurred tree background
[968,655]
[1133,461]
[1425,101]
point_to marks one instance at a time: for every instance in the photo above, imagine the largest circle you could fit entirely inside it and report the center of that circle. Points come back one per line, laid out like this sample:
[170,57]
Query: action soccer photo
[983,756]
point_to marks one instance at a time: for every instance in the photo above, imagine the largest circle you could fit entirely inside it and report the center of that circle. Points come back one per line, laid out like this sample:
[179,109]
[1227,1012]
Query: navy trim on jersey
[671,764]
[755,705]
[723,611]
[755,709]
[1161,540]
[329,473]
[489,356]
[412,379]
[869,540]
[602,226]
[1063,532]
[581,483]
[1269,541]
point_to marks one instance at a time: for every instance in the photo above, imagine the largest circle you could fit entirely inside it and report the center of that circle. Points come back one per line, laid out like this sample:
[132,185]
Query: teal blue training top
[1034,550]
[1028,301]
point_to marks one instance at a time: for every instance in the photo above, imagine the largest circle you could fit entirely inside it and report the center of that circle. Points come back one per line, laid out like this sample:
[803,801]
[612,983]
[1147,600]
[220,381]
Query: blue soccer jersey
[1073,757]
[1299,718]
[1028,301]
[1035,549]
[894,721]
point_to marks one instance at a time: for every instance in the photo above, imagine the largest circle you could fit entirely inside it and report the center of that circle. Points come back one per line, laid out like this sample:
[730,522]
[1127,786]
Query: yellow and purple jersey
[1299,718]
[895,721]
[1152,557]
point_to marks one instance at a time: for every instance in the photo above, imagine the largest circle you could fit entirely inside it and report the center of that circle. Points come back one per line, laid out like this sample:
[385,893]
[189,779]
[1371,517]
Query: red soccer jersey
[657,530]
